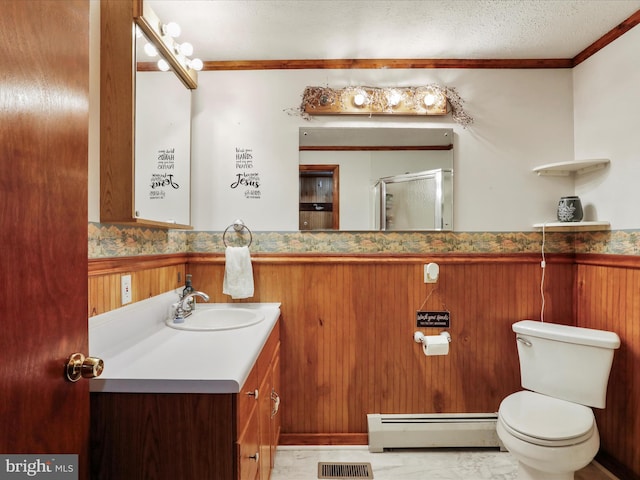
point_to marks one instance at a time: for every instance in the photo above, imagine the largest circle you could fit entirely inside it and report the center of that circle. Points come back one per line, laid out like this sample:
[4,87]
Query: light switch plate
[125,284]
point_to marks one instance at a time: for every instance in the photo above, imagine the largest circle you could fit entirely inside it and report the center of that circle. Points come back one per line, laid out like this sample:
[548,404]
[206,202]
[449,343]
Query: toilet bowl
[550,438]
[549,427]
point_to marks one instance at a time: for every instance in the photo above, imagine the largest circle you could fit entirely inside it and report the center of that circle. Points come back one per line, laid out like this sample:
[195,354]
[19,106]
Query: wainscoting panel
[150,276]
[348,324]
[608,298]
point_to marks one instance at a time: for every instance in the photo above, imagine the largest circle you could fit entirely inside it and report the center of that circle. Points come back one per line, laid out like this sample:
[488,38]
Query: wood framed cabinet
[191,436]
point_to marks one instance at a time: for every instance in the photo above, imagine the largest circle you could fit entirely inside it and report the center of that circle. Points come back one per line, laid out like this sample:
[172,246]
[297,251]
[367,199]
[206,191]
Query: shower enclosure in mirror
[415,165]
[415,201]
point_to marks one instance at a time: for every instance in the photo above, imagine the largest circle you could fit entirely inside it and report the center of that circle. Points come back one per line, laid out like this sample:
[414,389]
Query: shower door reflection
[417,201]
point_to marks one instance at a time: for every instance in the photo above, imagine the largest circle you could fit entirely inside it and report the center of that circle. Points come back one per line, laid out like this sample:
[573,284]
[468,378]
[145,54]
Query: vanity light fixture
[163,36]
[374,100]
[425,100]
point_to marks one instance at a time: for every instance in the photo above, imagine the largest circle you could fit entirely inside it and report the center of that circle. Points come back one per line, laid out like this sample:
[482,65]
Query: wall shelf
[573,226]
[573,167]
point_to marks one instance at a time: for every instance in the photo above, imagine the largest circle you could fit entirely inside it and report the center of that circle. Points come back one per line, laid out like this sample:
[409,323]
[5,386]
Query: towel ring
[238,226]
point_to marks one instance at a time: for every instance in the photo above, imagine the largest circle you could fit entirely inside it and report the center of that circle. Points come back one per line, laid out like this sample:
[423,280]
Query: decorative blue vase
[570,209]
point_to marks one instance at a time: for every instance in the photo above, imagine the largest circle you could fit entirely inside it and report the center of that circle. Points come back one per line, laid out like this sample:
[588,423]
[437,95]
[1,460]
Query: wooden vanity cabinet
[256,447]
[189,436]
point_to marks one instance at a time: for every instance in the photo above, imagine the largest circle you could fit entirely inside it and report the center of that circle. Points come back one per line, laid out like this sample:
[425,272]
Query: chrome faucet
[185,308]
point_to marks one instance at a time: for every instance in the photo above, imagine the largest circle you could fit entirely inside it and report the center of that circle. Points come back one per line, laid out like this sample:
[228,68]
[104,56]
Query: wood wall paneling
[607,298]
[149,277]
[347,328]
[347,333]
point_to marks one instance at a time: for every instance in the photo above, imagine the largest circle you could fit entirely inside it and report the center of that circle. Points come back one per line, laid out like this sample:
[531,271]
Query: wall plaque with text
[432,319]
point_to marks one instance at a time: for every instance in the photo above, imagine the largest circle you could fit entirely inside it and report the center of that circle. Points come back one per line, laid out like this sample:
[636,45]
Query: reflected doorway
[319,206]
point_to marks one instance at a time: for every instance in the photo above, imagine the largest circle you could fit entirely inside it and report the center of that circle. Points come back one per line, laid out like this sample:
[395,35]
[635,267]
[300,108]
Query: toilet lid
[545,420]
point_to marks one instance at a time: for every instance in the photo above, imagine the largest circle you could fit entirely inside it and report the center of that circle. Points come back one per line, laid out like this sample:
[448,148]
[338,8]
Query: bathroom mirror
[162,140]
[412,167]
[144,123]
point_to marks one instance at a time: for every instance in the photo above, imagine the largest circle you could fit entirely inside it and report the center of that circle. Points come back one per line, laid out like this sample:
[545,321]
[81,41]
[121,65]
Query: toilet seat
[546,421]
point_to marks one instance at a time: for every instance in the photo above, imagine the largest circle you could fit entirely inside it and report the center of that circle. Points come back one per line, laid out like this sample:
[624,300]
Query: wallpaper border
[113,240]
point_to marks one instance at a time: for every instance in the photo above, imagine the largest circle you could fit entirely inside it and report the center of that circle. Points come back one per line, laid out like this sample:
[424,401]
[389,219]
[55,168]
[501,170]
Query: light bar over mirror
[163,37]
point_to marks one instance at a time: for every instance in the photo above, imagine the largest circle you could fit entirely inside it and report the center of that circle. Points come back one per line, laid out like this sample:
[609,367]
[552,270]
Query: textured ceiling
[406,29]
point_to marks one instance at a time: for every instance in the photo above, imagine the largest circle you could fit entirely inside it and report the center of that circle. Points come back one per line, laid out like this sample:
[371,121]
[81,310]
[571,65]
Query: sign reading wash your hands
[246,180]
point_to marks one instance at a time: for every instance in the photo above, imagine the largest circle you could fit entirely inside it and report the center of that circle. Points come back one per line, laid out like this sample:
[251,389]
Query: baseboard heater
[432,430]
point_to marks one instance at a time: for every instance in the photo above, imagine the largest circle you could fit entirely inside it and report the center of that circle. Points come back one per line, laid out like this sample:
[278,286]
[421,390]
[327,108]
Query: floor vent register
[344,470]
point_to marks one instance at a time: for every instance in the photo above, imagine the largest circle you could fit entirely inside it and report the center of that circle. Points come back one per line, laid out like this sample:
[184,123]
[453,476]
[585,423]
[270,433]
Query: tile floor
[301,463]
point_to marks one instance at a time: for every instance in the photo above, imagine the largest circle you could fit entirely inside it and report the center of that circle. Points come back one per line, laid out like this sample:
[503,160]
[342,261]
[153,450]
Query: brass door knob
[78,366]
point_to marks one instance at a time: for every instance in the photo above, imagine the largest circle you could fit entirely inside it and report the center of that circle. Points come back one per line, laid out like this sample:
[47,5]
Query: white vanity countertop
[154,358]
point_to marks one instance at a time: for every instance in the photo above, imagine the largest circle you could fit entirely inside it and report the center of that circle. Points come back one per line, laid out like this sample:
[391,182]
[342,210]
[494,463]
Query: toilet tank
[570,363]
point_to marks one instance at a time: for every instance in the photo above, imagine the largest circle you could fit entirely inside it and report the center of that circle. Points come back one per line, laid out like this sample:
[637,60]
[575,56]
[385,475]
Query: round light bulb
[172,29]
[358,100]
[394,98]
[163,65]
[429,99]
[150,49]
[186,49]
[197,64]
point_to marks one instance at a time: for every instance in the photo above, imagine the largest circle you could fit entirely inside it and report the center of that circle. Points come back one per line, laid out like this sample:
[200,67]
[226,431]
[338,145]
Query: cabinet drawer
[248,450]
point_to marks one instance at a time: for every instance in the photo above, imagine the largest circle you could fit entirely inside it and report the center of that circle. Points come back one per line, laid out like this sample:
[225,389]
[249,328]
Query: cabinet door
[275,404]
[268,406]
[158,190]
[249,456]
[264,410]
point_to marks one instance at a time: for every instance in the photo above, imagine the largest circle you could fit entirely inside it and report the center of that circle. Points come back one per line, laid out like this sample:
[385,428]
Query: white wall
[523,118]
[607,125]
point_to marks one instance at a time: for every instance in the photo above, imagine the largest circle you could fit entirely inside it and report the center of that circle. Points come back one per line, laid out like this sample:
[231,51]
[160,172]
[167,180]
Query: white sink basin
[212,319]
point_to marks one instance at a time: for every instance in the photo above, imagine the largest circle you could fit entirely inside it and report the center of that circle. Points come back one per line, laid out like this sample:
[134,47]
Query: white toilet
[550,428]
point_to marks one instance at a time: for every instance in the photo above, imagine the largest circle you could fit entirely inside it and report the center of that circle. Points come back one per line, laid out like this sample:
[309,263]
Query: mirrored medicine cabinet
[145,117]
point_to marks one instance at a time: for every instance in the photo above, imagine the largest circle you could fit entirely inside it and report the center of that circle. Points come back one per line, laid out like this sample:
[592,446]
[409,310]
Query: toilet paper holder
[418,337]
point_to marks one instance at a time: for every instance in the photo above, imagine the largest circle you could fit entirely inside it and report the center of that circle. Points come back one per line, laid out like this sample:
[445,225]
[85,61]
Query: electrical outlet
[125,286]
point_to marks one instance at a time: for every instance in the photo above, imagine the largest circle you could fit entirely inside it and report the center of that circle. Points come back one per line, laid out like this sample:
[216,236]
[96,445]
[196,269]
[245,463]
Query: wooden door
[319,205]
[44,80]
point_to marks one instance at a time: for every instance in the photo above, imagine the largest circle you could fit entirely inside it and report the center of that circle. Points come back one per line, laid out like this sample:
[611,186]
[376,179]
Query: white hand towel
[238,273]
